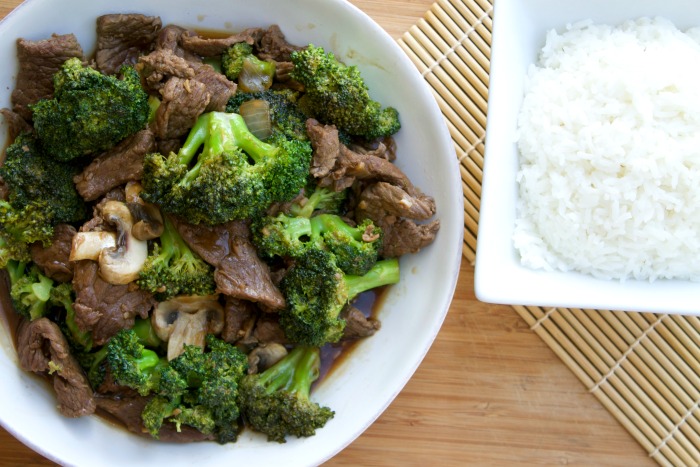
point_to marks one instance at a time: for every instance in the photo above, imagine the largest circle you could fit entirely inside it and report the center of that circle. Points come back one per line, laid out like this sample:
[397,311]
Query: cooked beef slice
[338,166]
[274,46]
[183,101]
[15,124]
[357,325]
[268,330]
[127,410]
[215,46]
[386,199]
[242,274]
[326,147]
[38,61]
[122,38]
[103,308]
[43,349]
[54,259]
[239,319]
[239,271]
[405,236]
[219,87]
[158,66]
[115,167]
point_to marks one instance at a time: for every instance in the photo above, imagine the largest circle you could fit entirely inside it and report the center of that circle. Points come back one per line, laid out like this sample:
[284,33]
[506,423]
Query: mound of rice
[609,141]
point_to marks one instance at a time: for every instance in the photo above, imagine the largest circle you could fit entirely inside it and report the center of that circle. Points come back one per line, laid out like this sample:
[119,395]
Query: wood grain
[489,392]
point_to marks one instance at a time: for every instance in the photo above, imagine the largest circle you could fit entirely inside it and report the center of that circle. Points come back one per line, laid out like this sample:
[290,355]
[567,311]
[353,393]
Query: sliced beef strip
[243,274]
[127,410]
[43,349]
[122,38]
[239,271]
[338,166]
[239,319]
[326,147]
[183,101]
[214,46]
[16,125]
[357,325]
[54,259]
[158,66]
[383,197]
[103,308]
[115,167]
[268,330]
[219,87]
[273,45]
[38,61]
[406,236]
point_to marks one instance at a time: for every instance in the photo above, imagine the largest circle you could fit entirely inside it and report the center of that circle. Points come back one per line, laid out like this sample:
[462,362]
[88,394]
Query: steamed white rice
[609,140]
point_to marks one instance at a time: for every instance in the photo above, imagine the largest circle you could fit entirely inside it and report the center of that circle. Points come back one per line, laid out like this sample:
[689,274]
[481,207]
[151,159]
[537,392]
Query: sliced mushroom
[148,220]
[89,245]
[122,263]
[187,321]
[264,356]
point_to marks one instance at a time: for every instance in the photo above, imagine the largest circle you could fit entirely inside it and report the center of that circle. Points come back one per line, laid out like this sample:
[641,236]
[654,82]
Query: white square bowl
[519,30]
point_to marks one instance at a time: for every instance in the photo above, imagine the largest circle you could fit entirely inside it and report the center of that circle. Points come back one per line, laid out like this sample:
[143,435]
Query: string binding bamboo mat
[643,367]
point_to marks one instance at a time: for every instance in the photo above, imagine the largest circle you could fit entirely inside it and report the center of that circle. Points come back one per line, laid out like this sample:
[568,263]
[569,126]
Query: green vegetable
[276,402]
[30,290]
[208,399]
[90,111]
[317,290]
[129,363]
[234,176]
[172,268]
[336,94]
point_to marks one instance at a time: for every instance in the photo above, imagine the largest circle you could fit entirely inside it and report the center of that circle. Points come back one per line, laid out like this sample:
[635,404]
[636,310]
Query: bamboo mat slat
[643,367]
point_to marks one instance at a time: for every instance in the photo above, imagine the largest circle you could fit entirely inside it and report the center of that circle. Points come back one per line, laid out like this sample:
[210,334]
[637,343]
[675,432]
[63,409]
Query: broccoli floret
[63,295]
[235,176]
[30,290]
[321,199]
[356,249]
[31,175]
[210,401]
[286,117]
[128,362]
[276,402]
[173,268]
[232,59]
[239,64]
[20,227]
[287,234]
[337,94]
[90,111]
[317,290]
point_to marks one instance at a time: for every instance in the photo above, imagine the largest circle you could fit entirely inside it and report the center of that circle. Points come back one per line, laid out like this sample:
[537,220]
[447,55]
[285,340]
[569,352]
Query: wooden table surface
[489,392]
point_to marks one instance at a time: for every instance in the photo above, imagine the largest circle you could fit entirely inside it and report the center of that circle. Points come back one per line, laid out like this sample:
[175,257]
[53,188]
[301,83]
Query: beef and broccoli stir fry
[187,220]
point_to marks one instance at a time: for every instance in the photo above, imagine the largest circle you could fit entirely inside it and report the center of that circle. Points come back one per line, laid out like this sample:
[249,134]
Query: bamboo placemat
[643,367]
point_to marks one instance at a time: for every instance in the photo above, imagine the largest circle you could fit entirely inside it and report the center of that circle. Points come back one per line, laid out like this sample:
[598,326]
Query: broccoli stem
[221,132]
[146,334]
[308,369]
[149,359]
[294,373]
[15,269]
[384,272]
[332,223]
[317,198]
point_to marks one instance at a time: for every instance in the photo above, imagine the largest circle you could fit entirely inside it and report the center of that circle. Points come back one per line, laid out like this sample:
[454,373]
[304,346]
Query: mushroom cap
[122,263]
[187,320]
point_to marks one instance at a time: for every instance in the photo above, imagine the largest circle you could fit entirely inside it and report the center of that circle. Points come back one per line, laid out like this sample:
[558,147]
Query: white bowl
[518,35]
[362,386]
